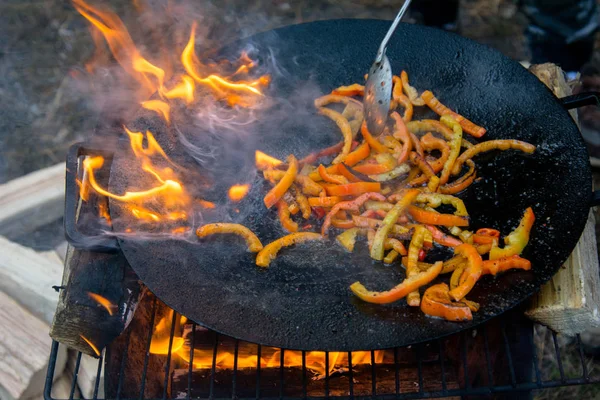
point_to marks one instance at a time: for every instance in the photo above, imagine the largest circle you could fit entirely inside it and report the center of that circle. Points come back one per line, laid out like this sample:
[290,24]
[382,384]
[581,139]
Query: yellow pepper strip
[416,244]
[378,205]
[309,187]
[268,254]
[437,303]
[471,273]
[346,129]
[410,91]
[395,244]
[364,222]
[402,290]
[303,204]
[454,147]
[389,221]
[347,239]
[283,211]
[284,184]
[254,244]
[516,241]
[489,146]
[453,263]
[434,200]
[374,144]
[390,257]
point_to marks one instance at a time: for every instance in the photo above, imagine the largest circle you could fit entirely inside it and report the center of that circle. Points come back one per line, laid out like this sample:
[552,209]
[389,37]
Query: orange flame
[160,107]
[104,302]
[161,337]
[92,345]
[238,192]
[184,90]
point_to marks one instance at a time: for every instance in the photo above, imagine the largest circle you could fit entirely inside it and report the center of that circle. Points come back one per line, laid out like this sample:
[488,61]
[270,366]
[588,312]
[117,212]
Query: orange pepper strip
[334,98]
[432,218]
[401,133]
[472,271]
[410,91]
[441,238]
[462,183]
[316,175]
[437,303]
[345,172]
[265,161]
[283,212]
[491,145]
[268,254]
[402,99]
[373,143]
[324,201]
[504,264]
[440,109]
[486,236]
[397,230]
[346,129]
[309,186]
[351,90]
[423,165]
[358,155]
[352,189]
[429,143]
[342,223]
[451,264]
[396,245]
[416,143]
[402,290]
[389,221]
[331,178]
[352,205]
[254,244]
[283,185]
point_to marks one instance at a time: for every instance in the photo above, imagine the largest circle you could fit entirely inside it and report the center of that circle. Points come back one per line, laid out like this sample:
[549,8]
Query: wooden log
[32,201]
[24,348]
[569,303]
[28,277]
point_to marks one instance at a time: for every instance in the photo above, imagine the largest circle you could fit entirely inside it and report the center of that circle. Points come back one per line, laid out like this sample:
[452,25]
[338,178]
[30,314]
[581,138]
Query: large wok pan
[302,301]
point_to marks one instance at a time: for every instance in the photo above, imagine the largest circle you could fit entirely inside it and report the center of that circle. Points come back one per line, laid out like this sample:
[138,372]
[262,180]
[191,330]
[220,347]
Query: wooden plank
[569,303]
[32,201]
[24,349]
[27,277]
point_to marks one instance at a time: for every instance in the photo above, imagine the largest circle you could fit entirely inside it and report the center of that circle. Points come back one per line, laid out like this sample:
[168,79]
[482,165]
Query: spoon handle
[390,32]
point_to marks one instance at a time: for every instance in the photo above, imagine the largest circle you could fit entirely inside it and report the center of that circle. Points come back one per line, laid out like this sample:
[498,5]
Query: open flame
[104,302]
[92,345]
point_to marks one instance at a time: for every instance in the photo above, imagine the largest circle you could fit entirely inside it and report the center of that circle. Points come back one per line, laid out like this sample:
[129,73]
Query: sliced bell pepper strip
[415,249]
[397,230]
[334,98]
[309,187]
[374,144]
[303,204]
[324,201]
[283,212]
[342,223]
[393,174]
[402,290]
[428,172]
[378,205]
[430,142]
[441,110]
[490,145]
[401,133]
[390,257]
[329,151]
[316,175]
[353,189]
[437,303]
[347,239]
[351,90]
[504,264]
[265,161]
[433,218]
[254,244]
[516,241]
[395,244]
[486,236]
[331,178]
[471,273]
[434,200]
[359,154]
[416,143]
[346,173]
[410,91]
[483,248]
[451,264]
[401,99]
[346,129]
[284,184]
[454,147]
[461,183]
[353,205]
[441,238]
[372,169]
[389,221]
[268,254]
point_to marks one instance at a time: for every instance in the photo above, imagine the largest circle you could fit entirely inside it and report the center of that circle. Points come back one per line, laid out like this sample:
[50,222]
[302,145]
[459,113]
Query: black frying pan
[302,301]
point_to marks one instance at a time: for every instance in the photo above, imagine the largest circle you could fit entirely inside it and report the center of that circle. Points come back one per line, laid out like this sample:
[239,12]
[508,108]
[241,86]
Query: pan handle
[104,244]
[581,100]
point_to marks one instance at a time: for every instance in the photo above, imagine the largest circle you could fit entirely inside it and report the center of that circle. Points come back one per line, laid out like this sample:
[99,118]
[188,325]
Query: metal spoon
[378,89]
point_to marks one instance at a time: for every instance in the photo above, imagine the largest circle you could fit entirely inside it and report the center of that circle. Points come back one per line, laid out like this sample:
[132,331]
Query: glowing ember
[92,345]
[104,302]
[238,192]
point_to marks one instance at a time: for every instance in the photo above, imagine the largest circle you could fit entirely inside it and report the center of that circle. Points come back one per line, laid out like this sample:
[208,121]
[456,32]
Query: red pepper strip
[472,271]
[422,254]
[313,157]
[486,236]
[402,99]
[389,221]
[346,129]
[441,238]
[504,264]
[402,290]
[254,244]
[401,133]
[432,218]
[266,255]
[410,91]
[352,189]
[331,178]
[324,201]
[462,183]
[437,303]
[345,172]
[373,143]
[283,185]
[440,109]
[358,155]
[319,212]
[284,217]
[488,146]
[516,241]
[351,90]
[352,205]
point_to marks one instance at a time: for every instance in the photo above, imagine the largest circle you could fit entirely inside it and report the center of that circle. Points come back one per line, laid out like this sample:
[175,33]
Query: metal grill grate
[535,361]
